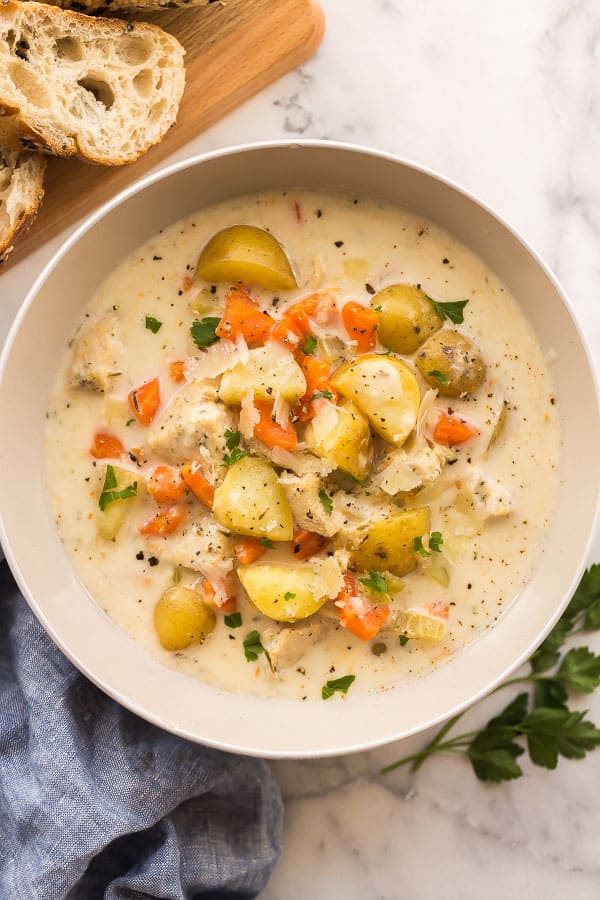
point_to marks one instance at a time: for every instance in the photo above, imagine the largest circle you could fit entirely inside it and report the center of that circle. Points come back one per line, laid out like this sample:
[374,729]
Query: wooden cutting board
[234,48]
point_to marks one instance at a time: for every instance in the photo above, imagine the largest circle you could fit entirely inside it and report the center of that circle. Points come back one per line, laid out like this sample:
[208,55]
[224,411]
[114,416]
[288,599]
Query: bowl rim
[163,173]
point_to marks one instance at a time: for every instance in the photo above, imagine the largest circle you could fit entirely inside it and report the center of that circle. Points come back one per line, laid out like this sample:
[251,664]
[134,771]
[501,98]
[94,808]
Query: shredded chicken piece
[407,469]
[97,355]
[203,546]
[194,419]
[286,645]
[487,497]
[308,511]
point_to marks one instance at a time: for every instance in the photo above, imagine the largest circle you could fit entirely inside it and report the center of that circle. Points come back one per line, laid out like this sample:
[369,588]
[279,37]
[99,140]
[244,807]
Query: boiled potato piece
[456,358]
[290,592]
[346,441]
[406,317]
[385,390]
[251,501]
[249,254]
[387,544]
[269,370]
[182,618]
[111,519]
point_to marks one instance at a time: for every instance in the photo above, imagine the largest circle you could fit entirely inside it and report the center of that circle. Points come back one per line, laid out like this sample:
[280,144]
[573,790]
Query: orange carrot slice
[361,324]
[451,430]
[242,318]
[165,522]
[106,446]
[165,485]
[306,543]
[269,432]
[145,400]
[200,487]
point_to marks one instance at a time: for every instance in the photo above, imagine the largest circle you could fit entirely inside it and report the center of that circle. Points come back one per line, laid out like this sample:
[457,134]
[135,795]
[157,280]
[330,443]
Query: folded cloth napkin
[96,803]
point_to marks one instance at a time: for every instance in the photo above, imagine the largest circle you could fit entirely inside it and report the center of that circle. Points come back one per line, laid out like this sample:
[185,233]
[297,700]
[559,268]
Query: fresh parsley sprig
[232,442]
[203,331]
[109,493]
[541,718]
[337,685]
[451,309]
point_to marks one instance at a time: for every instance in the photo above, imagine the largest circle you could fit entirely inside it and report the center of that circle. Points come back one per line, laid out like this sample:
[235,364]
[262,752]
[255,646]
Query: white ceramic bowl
[118,665]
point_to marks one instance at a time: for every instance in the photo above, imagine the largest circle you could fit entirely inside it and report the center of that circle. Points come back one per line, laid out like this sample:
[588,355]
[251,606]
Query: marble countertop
[504,98]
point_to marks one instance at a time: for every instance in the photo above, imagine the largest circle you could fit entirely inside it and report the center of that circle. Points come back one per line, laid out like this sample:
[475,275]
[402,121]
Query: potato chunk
[182,618]
[346,443]
[386,544]
[385,390]
[456,358]
[270,370]
[249,254]
[290,592]
[251,501]
[111,519]
[406,317]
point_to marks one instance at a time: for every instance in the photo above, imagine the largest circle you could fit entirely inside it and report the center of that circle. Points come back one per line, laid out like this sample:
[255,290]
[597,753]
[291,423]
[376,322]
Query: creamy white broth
[348,245]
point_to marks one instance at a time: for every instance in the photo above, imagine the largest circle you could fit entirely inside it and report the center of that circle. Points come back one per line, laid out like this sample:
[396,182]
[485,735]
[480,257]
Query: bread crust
[32,166]
[108,7]
[32,127]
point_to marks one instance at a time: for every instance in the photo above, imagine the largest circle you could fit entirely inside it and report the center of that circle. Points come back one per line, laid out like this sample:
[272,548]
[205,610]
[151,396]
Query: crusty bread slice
[100,89]
[106,7]
[21,192]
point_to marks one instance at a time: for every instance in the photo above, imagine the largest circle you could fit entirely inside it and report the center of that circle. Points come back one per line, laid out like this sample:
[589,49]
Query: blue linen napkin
[96,803]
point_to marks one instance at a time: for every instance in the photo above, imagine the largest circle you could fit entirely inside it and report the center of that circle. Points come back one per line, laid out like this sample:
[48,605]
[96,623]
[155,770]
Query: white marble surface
[505,98]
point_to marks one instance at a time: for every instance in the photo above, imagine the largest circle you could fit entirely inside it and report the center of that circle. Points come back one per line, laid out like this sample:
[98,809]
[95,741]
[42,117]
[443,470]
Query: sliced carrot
[165,485]
[287,332]
[177,370]
[356,614]
[212,598]
[145,400]
[249,550]
[200,487]
[106,446]
[439,608]
[165,522]
[294,326]
[242,318]
[361,324]
[451,430]
[316,372]
[306,543]
[269,432]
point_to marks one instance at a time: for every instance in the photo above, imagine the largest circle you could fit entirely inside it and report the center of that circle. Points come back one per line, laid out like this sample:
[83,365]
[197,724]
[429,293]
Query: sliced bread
[100,89]
[21,192]
[106,7]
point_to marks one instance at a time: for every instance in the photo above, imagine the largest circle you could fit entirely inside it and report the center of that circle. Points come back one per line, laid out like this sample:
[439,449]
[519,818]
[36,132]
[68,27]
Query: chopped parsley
[378,308]
[234,620]
[232,441]
[203,331]
[452,310]
[267,543]
[403,640]
[289,595]
[309,346]
[339,685]
[252,646]
[129,422]
[439,376]
[110,494]
[418,547]
[326,501]
[325,395]
[375,582]
[153,324]
[435,541]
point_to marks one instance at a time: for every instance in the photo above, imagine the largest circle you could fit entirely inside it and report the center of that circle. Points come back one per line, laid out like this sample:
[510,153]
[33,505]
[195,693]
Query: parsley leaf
[375,582]
[580,670]
[558,732]
[403,640]
[289,595]
[267,543]
[453,309]
[232,441]
[309,346]
[234,620]
[417,547]
[325,395]
[439,376]
[109,494]
[340,685]
[326,501]
[252,646]
[435,541]
[203,331]
[129,422]
[153,324]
